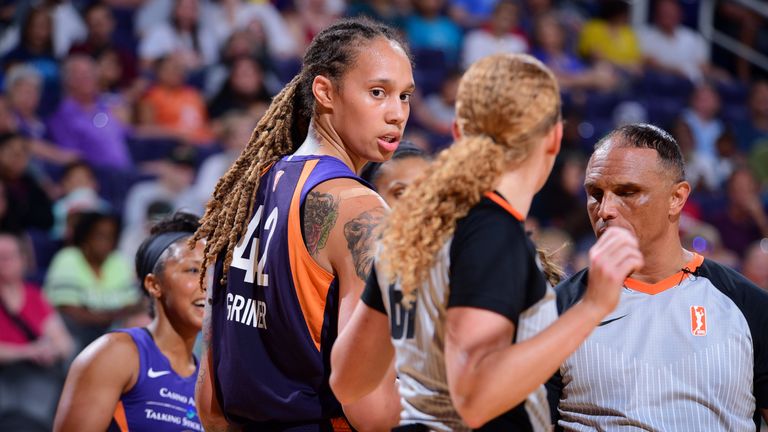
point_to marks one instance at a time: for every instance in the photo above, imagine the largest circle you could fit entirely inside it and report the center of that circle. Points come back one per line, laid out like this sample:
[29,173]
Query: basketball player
[290,226]
[392,177]
[687,346]
[467,277]
[143,379]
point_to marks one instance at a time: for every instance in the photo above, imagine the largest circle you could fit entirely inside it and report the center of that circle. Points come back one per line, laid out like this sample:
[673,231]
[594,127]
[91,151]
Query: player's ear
[322,88]
[151,284]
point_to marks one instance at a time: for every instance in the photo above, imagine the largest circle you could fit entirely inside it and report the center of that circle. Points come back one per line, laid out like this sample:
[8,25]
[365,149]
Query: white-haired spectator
[23,84]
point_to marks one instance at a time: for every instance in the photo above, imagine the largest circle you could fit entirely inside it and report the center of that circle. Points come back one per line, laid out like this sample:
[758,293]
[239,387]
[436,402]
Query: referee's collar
[691,267]
[498,199]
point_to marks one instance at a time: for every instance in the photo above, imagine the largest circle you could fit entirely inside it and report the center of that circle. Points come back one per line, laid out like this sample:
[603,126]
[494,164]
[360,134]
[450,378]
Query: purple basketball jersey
[161,400]
[275,320]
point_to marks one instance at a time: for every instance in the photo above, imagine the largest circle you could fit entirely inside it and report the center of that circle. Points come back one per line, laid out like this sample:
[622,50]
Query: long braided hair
[280,132]
[504,105]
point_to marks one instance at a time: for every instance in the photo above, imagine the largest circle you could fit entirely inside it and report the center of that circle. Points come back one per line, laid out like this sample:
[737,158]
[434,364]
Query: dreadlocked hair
[504,105]
[280,132]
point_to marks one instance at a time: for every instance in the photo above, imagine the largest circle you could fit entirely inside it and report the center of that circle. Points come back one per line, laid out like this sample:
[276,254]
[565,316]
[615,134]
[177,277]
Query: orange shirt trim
[311,281]
[498,199]
[666,283]
[120,418]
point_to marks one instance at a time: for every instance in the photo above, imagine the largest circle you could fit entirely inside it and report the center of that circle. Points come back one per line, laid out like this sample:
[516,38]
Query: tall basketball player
[290,228]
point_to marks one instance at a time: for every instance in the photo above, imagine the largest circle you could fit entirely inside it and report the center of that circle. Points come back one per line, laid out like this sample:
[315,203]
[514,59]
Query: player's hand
[612,259]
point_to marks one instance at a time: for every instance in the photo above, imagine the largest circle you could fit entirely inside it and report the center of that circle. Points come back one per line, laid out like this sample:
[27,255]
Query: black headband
[155,247]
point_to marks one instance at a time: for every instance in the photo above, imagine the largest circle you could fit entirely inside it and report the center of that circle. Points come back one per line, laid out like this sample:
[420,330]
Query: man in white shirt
[669,47]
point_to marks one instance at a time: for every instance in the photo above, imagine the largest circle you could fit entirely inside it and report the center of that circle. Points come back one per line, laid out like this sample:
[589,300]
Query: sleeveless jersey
[275,320]
[161,400]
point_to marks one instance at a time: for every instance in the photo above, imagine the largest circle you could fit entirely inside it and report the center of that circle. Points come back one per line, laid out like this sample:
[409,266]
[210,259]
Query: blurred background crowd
[116,112]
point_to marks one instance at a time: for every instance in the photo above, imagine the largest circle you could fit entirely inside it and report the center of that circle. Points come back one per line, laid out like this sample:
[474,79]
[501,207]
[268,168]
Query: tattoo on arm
[359,234]
[320,213]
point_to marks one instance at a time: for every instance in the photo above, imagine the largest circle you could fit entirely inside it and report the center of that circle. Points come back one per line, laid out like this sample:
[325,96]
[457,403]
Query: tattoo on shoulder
[320,213]
[359,233]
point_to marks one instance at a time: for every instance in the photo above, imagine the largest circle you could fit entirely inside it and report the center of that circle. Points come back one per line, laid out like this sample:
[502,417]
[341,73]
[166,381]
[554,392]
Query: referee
[687,346]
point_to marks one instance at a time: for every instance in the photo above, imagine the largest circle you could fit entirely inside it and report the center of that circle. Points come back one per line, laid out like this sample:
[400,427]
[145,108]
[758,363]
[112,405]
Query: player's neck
[662,259]
[177,347]
[326,142]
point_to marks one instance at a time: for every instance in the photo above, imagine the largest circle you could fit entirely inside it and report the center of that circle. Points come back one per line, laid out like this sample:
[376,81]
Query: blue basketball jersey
[275,320]
[161,400]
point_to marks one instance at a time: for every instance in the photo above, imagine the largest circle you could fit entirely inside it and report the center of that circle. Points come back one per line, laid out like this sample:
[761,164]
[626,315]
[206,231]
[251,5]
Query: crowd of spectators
[115,112]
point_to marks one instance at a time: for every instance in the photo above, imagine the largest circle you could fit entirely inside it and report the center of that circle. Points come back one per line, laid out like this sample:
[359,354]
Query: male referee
[687,346]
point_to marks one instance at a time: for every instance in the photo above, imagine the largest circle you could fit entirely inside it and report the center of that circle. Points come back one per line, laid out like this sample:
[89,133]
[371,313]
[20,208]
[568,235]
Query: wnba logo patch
[698,321]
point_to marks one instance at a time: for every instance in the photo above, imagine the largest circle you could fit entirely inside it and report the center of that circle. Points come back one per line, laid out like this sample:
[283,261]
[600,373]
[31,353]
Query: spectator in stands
[33,342]
[241,43]
[670,47]
[30,206]
[8,122]
[436,112]
[172,185]
[88,121]
[572,74]
[472,13]
[173,109]
[308,18]
[743,23]
[229,16]
[244,89]
[35,47]
[79,190]
[500,34]
[754,130]
[184,33]
[562,203]
[68,25]
[99,41]
[755,265]
[744,219]
[132,237]
[611,38]
[428,28]
[385,11]
[89,282]
[23,84]
[237,130]
[706,128]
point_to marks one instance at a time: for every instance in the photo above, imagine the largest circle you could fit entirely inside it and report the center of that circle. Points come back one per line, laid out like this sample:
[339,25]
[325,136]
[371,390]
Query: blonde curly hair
[504,106]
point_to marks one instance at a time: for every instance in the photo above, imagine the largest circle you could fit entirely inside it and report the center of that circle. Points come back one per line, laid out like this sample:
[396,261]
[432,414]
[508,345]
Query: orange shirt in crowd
[181,109]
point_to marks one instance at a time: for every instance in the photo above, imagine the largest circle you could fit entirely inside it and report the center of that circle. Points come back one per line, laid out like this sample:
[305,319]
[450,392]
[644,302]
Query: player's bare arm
[350,214]
[208,409]
[97,378]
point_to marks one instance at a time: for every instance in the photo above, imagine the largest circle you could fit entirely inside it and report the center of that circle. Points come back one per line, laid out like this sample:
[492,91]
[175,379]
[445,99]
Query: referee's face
[628,187]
